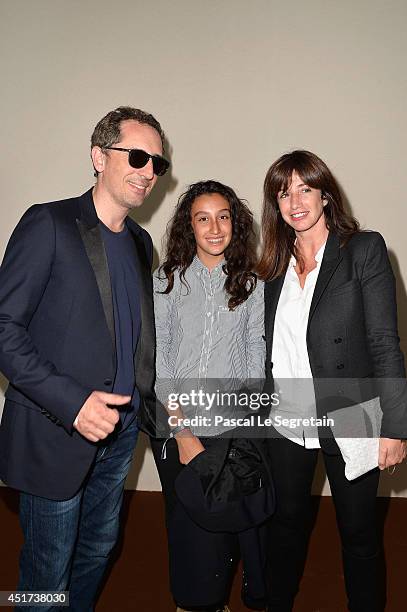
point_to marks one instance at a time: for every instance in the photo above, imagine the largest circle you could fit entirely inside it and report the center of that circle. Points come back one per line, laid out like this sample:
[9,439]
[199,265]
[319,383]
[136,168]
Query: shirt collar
[199,268]
[320,253]
[318,256]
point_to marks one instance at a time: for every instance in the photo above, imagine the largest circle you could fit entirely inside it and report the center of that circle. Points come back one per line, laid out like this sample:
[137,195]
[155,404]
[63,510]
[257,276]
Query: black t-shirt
[121,254]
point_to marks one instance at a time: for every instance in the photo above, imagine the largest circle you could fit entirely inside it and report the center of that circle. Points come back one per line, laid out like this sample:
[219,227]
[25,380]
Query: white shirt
[291,367]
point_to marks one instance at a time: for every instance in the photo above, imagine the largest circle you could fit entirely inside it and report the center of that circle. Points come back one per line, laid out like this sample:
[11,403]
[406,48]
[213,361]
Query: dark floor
[138,581]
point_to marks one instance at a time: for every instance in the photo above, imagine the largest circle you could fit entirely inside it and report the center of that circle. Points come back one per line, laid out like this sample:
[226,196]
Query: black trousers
[293,468]
[203,563]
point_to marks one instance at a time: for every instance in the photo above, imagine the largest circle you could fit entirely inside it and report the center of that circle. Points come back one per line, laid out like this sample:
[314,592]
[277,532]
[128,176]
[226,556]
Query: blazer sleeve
[24,275]
[380,309]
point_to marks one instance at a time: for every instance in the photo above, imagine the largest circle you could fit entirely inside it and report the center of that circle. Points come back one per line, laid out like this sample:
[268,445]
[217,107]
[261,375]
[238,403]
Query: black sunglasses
[139,158]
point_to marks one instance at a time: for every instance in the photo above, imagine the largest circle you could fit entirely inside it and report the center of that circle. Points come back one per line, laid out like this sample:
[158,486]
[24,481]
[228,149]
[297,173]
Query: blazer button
[340,366]
[108,382]
[338,340]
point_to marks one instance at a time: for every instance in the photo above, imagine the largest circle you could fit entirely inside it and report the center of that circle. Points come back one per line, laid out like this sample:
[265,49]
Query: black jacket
[57,342]
[352,337]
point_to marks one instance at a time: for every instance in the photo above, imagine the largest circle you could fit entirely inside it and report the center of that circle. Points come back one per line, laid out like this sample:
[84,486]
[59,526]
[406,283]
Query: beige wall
[234,84]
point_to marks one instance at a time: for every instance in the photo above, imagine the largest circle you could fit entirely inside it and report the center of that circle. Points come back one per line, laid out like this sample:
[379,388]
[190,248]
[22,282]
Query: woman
[209,319]
[330,316]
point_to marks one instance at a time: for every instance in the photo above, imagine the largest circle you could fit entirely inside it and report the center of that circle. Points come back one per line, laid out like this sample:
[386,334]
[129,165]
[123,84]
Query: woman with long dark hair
[331,322]
[209,311]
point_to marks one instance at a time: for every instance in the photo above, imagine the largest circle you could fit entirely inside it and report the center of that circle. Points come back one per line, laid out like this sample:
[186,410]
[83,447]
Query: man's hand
[95,420]
[189,446]
[391,452]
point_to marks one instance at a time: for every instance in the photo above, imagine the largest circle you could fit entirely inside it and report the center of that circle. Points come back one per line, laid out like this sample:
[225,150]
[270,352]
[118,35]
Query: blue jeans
[67,543]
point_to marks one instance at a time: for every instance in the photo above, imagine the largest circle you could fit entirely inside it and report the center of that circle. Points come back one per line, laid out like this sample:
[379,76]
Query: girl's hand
[189,446]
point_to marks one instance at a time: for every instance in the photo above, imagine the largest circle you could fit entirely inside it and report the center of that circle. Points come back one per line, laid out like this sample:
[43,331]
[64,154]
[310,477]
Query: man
[77,345]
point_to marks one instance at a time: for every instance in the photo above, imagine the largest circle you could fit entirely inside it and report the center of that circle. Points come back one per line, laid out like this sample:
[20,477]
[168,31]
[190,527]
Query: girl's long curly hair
[240,255]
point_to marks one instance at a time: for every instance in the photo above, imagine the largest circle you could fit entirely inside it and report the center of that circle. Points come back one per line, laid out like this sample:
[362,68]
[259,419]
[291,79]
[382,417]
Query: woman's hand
[189,446]
[391,452]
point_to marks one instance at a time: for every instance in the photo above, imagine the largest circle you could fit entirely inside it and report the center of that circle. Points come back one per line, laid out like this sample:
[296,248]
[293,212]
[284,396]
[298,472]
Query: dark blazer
[228,490]
[352,329]
[57,342]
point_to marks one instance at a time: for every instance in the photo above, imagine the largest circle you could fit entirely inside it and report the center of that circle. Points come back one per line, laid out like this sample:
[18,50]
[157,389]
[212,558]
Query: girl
[209,320]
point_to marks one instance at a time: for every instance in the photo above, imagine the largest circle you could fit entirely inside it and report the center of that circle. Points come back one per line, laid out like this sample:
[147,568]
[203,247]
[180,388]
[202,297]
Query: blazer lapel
[330,261]
[95,250]
[144,359]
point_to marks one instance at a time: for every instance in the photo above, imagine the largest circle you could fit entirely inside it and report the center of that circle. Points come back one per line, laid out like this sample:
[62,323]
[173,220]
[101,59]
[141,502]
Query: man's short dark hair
[107,131]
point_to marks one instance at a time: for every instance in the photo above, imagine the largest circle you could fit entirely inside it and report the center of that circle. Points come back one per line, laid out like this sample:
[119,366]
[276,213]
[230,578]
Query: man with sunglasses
[77,345]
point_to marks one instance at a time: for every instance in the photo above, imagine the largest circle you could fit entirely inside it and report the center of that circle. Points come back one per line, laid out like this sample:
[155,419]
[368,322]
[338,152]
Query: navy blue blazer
[352,340]
[57,342]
